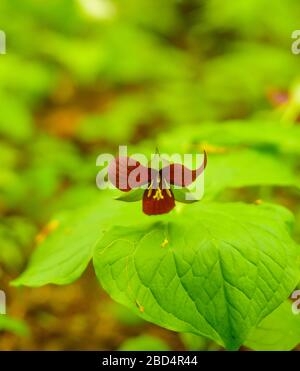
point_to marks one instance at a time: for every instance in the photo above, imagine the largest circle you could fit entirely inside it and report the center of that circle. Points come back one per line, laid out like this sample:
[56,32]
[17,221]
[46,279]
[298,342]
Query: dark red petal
[152,206]
[179,175]
[126,173]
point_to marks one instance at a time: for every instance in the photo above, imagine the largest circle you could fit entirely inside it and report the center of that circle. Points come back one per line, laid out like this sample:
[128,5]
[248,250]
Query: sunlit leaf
[222,270]
[280,330]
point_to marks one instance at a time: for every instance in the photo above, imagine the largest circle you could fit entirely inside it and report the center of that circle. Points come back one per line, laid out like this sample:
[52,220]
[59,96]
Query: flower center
[158,192]
[158,195]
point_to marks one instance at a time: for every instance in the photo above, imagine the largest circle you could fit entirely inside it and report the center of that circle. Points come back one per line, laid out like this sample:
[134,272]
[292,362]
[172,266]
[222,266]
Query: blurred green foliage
[81,77]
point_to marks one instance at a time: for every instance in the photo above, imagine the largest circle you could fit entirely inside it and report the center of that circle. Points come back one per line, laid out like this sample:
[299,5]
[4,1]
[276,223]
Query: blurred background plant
[81,77]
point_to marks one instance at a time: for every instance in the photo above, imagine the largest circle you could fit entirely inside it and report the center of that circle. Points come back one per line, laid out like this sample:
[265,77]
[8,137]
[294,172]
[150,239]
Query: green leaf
[68,247]
[13,325]
[181,193]
[278,331]
[132,196]
[247,168]
[230,164]
[212,269]
[65,253]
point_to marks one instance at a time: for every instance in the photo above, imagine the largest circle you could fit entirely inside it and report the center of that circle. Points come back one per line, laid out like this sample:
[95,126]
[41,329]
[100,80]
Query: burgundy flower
[127,174]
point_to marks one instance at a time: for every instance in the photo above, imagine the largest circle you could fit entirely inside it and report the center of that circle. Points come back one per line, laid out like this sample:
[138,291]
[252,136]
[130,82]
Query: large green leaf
[278,331]
[247,168]
[68,246]
[213,269]
[132,196]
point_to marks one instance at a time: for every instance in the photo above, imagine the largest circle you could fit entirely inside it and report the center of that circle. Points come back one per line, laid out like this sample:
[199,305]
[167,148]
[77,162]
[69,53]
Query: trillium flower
[154,187]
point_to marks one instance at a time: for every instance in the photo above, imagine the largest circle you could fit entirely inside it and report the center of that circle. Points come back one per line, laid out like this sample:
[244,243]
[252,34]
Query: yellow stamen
[158,195]
[167,189]
[150,189]
[169,192]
